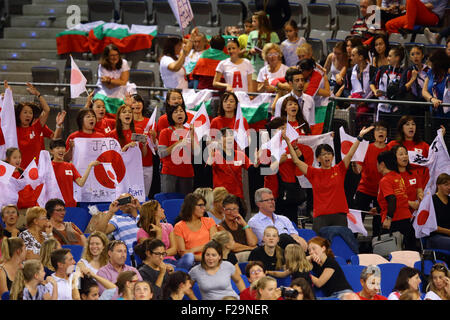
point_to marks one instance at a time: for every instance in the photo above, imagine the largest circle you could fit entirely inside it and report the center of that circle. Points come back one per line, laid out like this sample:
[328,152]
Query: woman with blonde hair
[225,239]
[266,289]
[95,253]
[13,255]
[270,253]
[273,70]
[217,213]
[439,284]
[47,248]
[38,230]
[30,284]
[297,266]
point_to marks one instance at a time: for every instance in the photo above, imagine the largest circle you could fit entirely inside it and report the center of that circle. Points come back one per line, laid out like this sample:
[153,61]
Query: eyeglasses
[202,205]
[266,200]
[273,54]
[231,209]
[161,254]
[258,271]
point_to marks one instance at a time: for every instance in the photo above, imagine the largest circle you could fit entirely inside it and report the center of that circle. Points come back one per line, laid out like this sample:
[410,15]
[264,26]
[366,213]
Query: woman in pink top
[194,230]
[150,226]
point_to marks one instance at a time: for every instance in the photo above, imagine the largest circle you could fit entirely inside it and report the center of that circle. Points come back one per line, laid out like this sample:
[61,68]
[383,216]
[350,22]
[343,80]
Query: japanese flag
[201,122]
[240,134]
[425,217]
[50,189]
[6,171]
[77,80]
[355,222]
[151,125]
[292,134]
[8,131]
[31,175]
[347,142]
[110,172]
[274,145]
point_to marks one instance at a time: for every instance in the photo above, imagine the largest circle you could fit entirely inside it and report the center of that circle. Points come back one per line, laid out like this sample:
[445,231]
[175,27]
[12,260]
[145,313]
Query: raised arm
[348,157]
[302,166]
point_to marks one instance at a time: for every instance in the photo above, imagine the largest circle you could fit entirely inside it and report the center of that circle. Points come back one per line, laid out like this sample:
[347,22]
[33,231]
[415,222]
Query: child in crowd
[292,42]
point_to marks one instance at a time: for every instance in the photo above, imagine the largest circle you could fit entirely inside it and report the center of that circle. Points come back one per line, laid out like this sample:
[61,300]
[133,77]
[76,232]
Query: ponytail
[279,254]
[10,246]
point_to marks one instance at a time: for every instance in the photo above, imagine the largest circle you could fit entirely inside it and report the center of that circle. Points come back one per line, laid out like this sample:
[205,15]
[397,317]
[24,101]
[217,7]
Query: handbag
[290,193]
[384,244]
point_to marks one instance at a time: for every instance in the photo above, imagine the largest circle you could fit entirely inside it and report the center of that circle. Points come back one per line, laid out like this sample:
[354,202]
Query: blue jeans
[439,241]
[185,262]
[336,295]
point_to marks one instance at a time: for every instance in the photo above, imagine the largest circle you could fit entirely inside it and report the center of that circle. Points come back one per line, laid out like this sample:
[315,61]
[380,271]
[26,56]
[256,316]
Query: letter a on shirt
[237,80]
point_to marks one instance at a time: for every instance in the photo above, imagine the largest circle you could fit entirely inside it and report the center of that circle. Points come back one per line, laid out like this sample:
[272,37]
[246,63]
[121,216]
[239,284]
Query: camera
[288,293]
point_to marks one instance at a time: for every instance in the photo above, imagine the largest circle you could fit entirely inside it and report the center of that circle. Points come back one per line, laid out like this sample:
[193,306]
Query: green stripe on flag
[72,32]
[208,107]
[320,114]
[253,115]
[111,104]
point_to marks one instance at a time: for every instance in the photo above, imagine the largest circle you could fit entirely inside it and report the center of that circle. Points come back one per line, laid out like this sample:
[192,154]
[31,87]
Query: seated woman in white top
[439,285]
[113,73]
[171,64]
[95,253]
[273,69]
[236,71]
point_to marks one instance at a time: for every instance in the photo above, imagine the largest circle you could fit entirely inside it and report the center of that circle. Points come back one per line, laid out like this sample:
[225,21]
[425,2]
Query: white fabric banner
[8,123]
[347,142]
[355,222]
[308,145]
[182,11]
[99,187]
[50,190]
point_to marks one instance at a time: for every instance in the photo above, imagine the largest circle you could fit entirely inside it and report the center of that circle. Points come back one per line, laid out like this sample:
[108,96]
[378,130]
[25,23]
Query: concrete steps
[17,66]
[36,21]
[50,10]
[31,33]
[30,44]
[12,54]
[15,76]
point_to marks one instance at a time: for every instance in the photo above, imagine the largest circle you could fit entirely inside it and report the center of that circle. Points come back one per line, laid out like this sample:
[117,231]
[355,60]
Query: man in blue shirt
[266,217]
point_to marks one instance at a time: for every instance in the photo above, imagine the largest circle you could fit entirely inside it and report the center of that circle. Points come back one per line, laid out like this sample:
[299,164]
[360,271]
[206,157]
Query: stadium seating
[172,208]
[365,259]
[203,12]
[352,274]
[162,14]
[101,10]
[347,14]
[229,13]
[389,273]
[242,266]
[133,12]
[319,16]
[161,197]
[427,265]
[306,234]
[406,257]
[76,251]
[79,216]
[340,248]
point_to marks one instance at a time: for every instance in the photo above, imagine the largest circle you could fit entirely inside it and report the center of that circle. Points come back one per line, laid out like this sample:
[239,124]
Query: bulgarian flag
[320,118]
[194,100]
[255,110]
[127,39]
[208,61]
[76,38]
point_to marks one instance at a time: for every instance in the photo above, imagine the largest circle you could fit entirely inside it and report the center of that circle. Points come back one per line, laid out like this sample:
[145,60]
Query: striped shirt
[126,229]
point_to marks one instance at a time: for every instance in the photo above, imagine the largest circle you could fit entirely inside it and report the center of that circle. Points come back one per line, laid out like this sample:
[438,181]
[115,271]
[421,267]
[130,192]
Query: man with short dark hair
[296,80]
[64,265]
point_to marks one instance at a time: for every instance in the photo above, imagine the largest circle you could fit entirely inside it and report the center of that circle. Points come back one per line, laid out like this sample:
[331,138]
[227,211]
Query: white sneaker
[431,37]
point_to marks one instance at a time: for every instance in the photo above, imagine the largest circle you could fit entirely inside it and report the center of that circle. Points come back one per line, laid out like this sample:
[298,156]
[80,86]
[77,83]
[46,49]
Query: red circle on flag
[2,170]
[345,146]
[33,174]
[75,76]
[118,165]
[201,120]
[422,217]
[351,217]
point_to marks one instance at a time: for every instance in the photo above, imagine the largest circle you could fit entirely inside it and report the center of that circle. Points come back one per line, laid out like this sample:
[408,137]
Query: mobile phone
[138,137]
[123,201]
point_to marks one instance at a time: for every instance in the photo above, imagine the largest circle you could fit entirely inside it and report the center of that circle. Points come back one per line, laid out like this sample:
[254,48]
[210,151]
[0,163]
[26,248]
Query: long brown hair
[299,116]
[188,206]
[148,217]
[119,129]
[264,28]
[401,135]
[104,59]
[322,242]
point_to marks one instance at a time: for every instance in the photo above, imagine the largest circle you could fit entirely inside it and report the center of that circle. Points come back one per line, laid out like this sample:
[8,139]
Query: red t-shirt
[421,148]
[248,294]
[393,184]
[375,297]
[182,167]
[229,174]
[147,161]
[314,83]
[29,140]
[220,122]
[370,177]
[328,189]
[105,126]
[81,134]
[46,133]
[66,174]
[164,123]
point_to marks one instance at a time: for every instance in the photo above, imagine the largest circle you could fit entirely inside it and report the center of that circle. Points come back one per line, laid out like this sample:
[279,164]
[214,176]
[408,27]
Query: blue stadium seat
[75,249]
[340,260]
[246,282]
[286,281]
[196,291]
[5,295]
[79,216]
[389,273]
[172,208]
[427,265]
[340,248]
[306,234]
[352,274]
[137,260]
[242,266]
[161,197]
